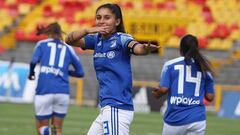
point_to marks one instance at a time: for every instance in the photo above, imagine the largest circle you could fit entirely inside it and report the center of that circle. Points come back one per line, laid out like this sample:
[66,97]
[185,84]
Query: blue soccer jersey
[113,70]
[55,57]
[187,86]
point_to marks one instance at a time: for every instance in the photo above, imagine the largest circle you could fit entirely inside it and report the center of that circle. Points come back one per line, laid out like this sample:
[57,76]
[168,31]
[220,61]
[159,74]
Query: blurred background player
[112,52]
[187,80]
[52,92]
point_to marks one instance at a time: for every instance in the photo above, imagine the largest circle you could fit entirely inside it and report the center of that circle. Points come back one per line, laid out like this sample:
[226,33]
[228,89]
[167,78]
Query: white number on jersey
[189,78]
[237,110]
[53,47]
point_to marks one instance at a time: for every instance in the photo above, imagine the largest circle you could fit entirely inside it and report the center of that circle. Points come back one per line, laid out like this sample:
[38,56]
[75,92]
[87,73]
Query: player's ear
[118,22]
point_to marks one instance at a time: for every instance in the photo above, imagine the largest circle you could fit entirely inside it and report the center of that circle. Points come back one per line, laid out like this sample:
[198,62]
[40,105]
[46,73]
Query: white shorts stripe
[112,121]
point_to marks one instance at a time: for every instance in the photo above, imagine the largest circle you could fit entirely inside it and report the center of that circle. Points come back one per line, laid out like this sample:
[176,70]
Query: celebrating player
[187,80]
[52,92]
[112,52]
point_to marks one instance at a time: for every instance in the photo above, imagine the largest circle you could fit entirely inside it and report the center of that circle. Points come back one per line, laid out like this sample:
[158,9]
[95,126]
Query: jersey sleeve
[78,72]
[126,39]
[36,53]
[165,77]
[90,41]
[209,85]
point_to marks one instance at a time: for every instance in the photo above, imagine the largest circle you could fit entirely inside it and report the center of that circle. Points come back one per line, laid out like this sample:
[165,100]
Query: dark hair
[116,10]
[189,49]
[53,29]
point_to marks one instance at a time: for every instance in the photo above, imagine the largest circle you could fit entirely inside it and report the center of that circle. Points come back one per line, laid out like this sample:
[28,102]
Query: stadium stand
[215,22]
[12,11]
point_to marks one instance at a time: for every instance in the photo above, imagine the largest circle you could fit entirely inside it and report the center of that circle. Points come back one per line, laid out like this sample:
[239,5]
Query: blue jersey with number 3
[187,86]
[55,57]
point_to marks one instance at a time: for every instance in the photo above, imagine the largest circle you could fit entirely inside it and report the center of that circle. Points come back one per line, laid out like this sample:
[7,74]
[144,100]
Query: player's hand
[151,47]
[31,77]
[100,29]
[156,93]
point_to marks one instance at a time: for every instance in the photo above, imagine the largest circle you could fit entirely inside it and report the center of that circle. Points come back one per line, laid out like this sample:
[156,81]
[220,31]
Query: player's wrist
[147,49]
[87,31]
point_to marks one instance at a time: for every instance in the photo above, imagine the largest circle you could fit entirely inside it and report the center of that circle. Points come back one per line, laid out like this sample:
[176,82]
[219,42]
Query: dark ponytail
[53,29]
[116,10]
[189,49]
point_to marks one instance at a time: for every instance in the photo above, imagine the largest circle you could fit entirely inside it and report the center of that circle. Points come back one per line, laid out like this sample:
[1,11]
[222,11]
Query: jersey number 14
[189,78]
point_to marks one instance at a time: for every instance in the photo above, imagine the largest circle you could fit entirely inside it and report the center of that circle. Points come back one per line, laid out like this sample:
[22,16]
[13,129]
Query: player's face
[106,18]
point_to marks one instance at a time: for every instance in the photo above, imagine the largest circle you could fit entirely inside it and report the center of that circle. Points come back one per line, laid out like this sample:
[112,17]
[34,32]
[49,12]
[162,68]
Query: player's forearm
[79,73]
[32,67]
[140,49]
[31,75]
[75,38]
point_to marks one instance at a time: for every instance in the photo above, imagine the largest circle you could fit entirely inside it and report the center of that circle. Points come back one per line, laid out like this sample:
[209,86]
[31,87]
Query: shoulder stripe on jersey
[124,34]
[170,62]
[210,75]
[174,61]
[125,38]
[45,40]
[41,41]
[72,51]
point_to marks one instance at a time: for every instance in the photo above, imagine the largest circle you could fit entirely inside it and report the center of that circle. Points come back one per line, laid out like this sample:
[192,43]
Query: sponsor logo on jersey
[51,70]
[99,55]
[183,100]
[109,55]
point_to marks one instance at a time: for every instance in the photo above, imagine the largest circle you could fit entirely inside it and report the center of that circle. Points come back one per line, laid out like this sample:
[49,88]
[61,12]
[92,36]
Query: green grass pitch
[18,119]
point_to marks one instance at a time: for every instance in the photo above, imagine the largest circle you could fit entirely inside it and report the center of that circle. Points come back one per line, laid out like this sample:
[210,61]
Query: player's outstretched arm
[142,49]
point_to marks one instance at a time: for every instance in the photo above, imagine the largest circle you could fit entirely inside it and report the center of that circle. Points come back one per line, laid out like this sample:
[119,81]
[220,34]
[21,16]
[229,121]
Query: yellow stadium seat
[173,42]
[24,9]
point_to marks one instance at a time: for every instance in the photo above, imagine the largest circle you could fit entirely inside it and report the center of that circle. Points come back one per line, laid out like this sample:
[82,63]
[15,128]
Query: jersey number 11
[54,47]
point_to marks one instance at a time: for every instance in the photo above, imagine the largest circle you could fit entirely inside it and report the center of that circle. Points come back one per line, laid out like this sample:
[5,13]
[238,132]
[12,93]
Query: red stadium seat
[203,42]
[221,31]
[200,2]
[170,5]
[128,5]
[148,5]
[234,26]
[13,10]
[33,2]
[2,50]
[160,5]
[2,4]
[47,11]
[20,35]
[180,31]
[207,15]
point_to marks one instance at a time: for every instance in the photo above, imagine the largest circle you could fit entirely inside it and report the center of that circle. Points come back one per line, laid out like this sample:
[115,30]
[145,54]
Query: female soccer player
[187,80]
[112,52]
[52,92]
